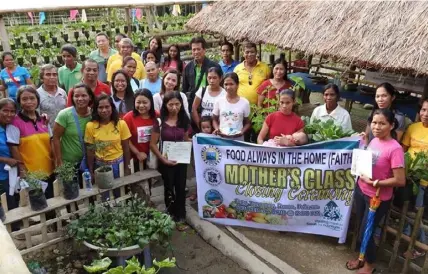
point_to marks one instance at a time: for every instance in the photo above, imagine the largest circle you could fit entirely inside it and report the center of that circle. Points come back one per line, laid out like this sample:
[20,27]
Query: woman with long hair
[140,123]
[173,127]
[170,83]
[123,96]
[173,59]
[388,172]
[155,45]
[278,82]
[107,128]
[384,98]
[230,113]
[69,128]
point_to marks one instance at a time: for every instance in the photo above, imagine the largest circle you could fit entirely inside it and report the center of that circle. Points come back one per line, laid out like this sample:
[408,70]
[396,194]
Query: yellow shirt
[259,73]
[117,56]
[113,136]
[140,72]
[416,138]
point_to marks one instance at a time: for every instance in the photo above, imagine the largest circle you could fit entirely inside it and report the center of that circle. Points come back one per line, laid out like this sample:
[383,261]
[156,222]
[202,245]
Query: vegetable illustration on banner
[305,189]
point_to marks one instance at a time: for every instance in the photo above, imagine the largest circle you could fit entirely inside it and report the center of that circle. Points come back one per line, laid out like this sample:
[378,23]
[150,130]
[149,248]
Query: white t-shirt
[208,101]
[158,99]
[231,116]
[340,116]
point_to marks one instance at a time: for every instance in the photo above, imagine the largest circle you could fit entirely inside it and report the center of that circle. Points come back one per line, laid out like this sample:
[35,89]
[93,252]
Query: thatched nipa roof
[389,34]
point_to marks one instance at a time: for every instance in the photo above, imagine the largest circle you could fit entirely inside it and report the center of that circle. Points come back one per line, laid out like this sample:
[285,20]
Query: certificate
[177,151]
[362,163]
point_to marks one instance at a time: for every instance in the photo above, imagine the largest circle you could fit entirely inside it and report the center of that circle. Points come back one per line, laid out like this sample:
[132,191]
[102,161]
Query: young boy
[153,82]
[71,73]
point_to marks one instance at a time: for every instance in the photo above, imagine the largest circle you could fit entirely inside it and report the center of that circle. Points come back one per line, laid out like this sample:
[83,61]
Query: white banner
[305,189]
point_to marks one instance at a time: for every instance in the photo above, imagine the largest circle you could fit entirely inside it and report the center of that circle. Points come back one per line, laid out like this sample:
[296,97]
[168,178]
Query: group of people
[120,98]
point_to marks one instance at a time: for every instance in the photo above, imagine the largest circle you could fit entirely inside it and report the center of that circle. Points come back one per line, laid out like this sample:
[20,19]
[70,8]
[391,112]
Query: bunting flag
[176,10]
[31,17]
[73,14]
[138,13]
[84,19]
[42,17]
[133,15]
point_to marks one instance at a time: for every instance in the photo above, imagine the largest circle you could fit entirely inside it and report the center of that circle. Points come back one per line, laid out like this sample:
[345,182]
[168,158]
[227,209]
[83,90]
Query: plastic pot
[34,60]
[109,33]
[24,45]
[42,39]
[30,39]
[134,28]
[76,35]
[51,34]
[125,29]
[87,34]
[78,43]
[82,57]
[71,189]
[37,199]
[1,47]
[103,27]
[59,59]
[12,47]
[117,30]
[54,40]
[47,45]
[20,61]
[46,59]
[93,28]
[36,46]
[104,177]
[65,37]
[88,42]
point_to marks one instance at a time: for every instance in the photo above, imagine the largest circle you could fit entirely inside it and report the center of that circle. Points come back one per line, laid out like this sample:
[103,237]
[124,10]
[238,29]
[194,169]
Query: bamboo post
[3,35]
[128,22]
[415,233]
[236,49]
[398,235]
[318,67]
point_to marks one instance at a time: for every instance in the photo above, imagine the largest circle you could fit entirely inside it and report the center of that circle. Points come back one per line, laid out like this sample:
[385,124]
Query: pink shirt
[387,155]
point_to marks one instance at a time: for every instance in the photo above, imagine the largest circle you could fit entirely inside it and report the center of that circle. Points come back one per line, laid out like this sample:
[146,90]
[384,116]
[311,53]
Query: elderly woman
[126,49]
[331,109]
[52,98]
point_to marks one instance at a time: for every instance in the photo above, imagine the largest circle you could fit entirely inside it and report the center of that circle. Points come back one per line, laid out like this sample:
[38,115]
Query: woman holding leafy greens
[332,110]
[388,172]
[415,140]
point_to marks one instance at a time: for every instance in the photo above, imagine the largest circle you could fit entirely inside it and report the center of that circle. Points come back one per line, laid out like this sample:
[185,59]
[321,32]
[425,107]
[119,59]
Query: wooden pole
[128,22]
[236,49]
[415,233]
[3,35]
[396,246]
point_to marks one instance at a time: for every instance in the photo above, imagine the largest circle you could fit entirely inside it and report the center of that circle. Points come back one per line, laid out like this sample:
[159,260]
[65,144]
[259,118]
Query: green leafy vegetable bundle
[416,169]
[319,131]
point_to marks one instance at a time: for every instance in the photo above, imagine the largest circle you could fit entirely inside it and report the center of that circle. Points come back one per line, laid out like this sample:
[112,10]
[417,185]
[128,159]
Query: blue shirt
[4,152]
[153,87]
[20,75]
[228,68]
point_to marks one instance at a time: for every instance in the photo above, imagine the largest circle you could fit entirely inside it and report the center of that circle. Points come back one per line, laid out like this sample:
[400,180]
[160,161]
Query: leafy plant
[416,169]
[100,148]
[318,130]
[132,266]
[118,225]
[66,172]
[33,179]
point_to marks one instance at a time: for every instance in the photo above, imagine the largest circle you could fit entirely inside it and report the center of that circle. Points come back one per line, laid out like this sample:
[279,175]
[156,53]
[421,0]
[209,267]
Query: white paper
[177,151]
[362,163]
[24,184]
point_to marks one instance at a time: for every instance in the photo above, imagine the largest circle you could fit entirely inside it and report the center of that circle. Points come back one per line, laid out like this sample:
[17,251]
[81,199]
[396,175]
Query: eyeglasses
[250,79]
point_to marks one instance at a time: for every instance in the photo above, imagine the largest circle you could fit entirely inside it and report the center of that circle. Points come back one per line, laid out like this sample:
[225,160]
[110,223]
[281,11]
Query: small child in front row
[206,126]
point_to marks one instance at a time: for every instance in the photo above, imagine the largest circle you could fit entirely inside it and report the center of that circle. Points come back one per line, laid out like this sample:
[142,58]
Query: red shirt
[280,123]
[269,91]
[100,88]
[141,131]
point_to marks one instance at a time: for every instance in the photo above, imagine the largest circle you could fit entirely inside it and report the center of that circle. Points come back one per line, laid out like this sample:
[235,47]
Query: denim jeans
[419,203]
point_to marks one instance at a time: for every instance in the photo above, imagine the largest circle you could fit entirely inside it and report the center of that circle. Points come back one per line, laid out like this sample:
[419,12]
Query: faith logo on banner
[306,189]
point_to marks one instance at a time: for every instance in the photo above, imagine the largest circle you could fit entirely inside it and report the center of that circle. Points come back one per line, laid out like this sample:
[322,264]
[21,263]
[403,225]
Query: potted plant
[119,229]
[67,174]
[117,30]
[103,175]
[132,266]
[59,59]
[319,131]
[54,40]
[93,28]
[36,46]
[65,37]
[29,39]
[87,34]
[21,61]
[34,60]
[35,192]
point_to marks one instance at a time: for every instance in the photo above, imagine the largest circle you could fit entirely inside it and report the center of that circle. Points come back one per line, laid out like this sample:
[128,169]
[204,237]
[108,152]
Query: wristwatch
[375,183]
